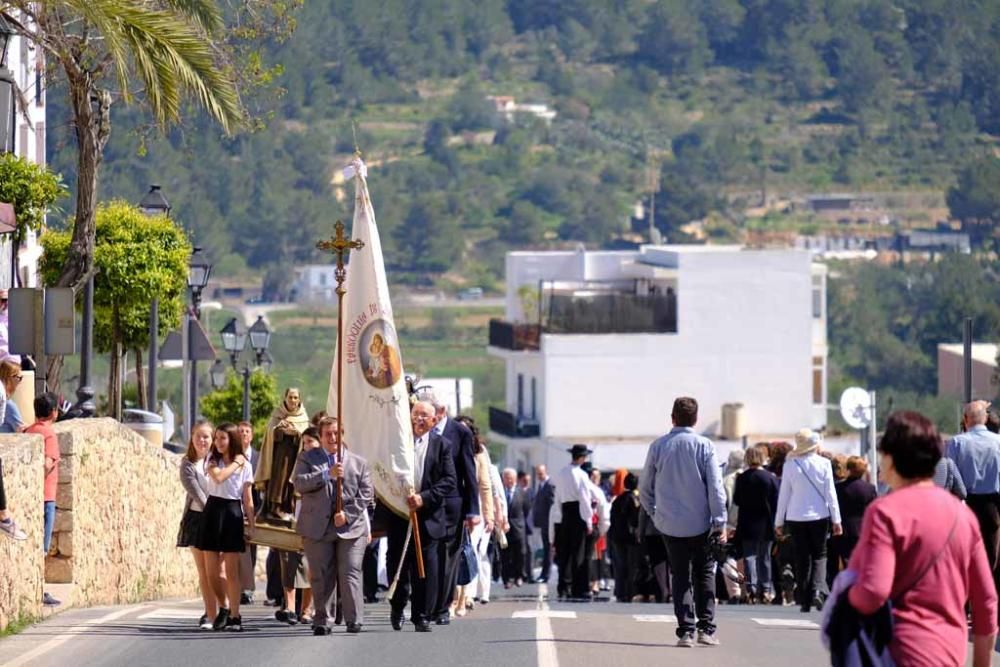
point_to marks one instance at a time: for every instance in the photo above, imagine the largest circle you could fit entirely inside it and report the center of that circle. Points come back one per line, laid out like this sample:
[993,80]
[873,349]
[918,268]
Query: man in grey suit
[334,541]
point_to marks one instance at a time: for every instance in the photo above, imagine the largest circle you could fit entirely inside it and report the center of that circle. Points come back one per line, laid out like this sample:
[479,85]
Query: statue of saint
[278,453]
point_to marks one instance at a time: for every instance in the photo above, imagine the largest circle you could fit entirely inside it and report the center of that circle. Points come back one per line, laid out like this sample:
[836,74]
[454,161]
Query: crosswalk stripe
[785,623]
[654,618]
[162,613]
[543,613]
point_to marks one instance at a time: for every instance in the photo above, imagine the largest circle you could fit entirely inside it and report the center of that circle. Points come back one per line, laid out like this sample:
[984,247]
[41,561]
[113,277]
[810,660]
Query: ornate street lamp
[260,337]
[199,271]
[218,374]
[234,339]
[154,203]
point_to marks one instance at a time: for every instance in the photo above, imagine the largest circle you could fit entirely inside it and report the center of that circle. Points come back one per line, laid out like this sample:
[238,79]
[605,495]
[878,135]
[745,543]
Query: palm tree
[158,52]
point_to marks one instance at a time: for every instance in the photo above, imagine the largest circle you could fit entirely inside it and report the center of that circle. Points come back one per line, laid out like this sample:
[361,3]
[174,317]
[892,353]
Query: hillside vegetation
[709,102]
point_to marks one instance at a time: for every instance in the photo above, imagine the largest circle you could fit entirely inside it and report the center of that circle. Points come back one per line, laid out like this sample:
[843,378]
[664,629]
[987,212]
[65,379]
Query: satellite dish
[855,407]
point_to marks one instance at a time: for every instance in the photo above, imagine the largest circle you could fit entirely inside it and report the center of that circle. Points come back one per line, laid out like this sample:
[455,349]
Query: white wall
[745,333]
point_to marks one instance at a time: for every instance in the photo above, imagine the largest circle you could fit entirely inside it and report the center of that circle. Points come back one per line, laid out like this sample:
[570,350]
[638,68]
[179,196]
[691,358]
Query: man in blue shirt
[976,454]
[681,489]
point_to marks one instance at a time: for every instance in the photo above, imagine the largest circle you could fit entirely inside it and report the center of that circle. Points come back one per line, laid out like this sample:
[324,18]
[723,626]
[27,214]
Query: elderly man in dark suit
[334,541]
[545,493]
[518,508]
[434,479]
[461,507]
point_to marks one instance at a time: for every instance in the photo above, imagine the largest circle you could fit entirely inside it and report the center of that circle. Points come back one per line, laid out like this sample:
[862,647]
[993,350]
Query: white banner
[376,408]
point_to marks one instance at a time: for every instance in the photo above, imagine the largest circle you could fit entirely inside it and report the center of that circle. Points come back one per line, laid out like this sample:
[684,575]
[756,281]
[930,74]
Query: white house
[27,64]
[315,283]
[598,344]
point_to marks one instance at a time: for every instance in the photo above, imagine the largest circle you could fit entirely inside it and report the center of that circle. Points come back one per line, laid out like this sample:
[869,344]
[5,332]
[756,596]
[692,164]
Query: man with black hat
[572,518]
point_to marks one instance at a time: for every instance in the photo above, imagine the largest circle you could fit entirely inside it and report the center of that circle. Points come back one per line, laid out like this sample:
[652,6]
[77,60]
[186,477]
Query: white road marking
[654,618]
[70,633]
[785,623]
[538,613]
[164,613]
[544,637]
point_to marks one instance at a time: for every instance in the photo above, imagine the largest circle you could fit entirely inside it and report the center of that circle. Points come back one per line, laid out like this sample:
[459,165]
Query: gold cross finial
[340,245]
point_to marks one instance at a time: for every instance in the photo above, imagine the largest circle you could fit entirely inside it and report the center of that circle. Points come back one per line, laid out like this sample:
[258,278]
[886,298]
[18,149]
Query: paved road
[512,630]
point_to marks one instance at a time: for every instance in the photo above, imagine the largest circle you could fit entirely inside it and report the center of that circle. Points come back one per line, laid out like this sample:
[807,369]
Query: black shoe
[220,619]
[50,601]
[484,602]
[292,618]
[246,598]
[281,616]
[203,620]
[443,619]
[422,626]
[234,624]
[354,628]
[321,630]
[396,618]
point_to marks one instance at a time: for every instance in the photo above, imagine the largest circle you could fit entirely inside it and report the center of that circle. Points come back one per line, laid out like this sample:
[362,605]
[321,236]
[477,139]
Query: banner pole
[416,544]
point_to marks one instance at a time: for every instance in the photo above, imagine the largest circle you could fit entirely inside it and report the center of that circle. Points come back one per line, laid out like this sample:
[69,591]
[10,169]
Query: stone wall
[21,562]
[119,506]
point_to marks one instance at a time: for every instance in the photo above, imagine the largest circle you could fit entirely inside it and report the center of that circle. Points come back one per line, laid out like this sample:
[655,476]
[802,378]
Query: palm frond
[205,12]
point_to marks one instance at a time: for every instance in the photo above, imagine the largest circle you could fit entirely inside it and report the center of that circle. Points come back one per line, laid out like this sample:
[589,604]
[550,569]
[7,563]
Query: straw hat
[806,442]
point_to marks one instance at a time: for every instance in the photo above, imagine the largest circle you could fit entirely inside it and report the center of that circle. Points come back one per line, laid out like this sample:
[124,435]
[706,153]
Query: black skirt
[222,526]
[190,530]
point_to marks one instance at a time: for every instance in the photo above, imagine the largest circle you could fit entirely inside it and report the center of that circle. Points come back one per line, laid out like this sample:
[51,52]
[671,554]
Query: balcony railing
[611,313]
[511,336]
[505,423]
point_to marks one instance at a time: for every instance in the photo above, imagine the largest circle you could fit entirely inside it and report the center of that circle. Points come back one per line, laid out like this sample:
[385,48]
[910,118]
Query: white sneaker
[687,641]
[10,529]
[707,639]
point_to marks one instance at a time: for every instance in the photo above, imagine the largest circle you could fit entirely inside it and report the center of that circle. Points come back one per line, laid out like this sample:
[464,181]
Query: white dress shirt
[571,485]
[419,455]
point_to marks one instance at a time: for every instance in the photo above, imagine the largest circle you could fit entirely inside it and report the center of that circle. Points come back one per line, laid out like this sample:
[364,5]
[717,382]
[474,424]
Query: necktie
[332,458]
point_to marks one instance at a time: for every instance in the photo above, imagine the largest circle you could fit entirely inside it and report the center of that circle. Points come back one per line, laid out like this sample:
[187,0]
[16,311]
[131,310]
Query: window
[818,382]
[534,386]
[322,279]
[39,73]
[817,297]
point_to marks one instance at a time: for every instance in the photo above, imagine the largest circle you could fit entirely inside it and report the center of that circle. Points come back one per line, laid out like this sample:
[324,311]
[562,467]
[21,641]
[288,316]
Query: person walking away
[756,495]
[46,411]
[571,521]
[544,497]
[524,482]
[734,466]
[854,495]
[518,508]
[623,537]
[807,502]
[921,549]
[222,535]
[334,541]
[681,488]
[976,454]
[652,581]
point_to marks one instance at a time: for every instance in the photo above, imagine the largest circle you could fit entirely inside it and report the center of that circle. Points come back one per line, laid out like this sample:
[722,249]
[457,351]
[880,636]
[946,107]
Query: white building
[598,344]
[27,64]
[315,283]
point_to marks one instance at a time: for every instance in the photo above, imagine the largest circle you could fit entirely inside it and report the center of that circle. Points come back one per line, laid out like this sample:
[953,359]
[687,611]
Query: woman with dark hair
[222,532]
[921,549]
[782,553]
[756,496]
[195,483]
[623,536]
[481,533]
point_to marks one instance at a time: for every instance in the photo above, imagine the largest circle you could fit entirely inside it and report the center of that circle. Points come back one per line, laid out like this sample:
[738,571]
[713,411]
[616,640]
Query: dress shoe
[396,618]
[353,628]
[421,626]
[443,619]
[321,630]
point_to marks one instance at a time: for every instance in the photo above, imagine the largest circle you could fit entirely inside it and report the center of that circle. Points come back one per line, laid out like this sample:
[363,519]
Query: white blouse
[807,492]
[232,487]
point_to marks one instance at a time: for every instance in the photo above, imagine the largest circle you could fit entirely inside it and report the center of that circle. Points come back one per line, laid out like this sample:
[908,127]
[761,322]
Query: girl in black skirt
[222,533]
[196,485]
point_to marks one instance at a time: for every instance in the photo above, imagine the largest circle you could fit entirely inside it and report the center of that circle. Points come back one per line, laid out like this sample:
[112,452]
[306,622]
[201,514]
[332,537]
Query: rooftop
[984,353]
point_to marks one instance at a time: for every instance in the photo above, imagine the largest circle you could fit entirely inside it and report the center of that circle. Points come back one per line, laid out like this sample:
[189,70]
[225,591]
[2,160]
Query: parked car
[471,294]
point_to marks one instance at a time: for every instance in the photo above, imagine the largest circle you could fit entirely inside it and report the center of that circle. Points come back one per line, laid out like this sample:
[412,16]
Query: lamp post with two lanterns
[199,272]
[235,339]
[153,203]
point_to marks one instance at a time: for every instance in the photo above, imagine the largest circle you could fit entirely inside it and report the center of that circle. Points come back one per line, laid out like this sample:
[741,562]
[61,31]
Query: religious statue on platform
[278,453]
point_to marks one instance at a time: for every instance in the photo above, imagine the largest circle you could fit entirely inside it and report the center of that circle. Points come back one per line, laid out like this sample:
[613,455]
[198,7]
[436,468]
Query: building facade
[598,344]
[315,283]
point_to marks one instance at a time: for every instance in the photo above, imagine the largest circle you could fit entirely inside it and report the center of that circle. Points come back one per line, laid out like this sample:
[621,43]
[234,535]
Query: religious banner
[376,406]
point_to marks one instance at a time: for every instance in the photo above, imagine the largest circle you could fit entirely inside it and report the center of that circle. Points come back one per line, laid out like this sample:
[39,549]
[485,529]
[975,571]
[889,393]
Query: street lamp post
[153,203]
[198,273]
[235,339]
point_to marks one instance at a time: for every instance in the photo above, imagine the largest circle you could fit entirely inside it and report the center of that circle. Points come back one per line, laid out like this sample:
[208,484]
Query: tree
[31,188]
[976,196]
[862,76]
[138,258]
[171,47]
[429,239]
[226,404]
[674,40]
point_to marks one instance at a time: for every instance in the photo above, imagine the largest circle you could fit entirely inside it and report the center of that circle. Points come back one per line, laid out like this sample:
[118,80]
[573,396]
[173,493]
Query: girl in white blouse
[229,502]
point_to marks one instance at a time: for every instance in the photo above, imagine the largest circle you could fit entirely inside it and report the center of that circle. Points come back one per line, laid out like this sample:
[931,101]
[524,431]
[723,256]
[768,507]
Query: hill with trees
[708,103]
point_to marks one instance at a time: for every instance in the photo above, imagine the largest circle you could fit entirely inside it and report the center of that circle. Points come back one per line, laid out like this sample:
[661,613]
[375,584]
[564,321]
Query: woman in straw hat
[807,502]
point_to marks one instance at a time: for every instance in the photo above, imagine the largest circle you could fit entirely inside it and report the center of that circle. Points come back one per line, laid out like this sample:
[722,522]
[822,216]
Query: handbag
[468,565]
